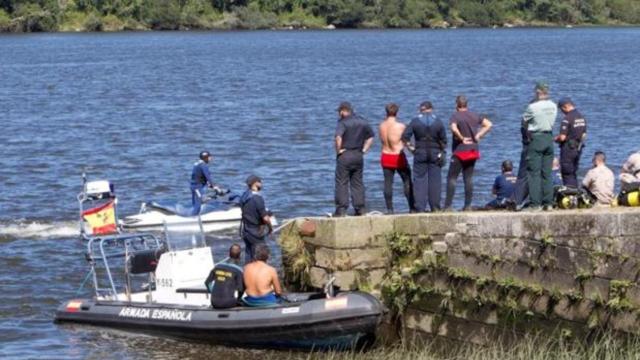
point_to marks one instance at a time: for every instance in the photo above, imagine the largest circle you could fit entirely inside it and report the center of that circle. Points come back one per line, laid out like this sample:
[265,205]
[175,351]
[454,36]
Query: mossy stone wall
[479,276]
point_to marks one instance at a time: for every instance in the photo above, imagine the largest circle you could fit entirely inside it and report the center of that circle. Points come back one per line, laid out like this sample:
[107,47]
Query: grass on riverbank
[527,348]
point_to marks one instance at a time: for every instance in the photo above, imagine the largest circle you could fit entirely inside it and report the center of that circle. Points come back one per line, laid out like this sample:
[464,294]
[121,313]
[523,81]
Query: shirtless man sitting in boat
[393,158]
[261,280]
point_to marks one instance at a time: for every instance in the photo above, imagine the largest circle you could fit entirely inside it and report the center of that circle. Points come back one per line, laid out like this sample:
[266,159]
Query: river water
[138,107]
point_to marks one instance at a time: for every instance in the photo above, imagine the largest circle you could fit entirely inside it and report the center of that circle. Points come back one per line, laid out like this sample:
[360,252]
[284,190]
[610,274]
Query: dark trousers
[569,161]
[539,165]
[405,175]
[196,199]
[349,179]
[427,180]
[521,191]
[249,248]
[455,167]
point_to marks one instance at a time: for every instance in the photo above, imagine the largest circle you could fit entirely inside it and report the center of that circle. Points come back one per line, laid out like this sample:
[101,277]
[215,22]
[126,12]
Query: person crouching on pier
[393,158]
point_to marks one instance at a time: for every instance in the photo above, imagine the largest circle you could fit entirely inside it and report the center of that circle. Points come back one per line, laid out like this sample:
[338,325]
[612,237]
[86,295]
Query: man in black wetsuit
[428,157]
[573,132]
[353,138]
[225,281]
[256,221]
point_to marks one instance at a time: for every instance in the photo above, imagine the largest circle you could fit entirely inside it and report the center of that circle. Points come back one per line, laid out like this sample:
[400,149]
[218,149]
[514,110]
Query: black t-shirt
[354,131]
[468,124]
[573,126]
[228,285]
[253,211]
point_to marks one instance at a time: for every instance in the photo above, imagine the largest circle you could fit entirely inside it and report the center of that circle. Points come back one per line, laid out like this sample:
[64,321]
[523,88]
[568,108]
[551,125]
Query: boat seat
[198,290]
[144,261]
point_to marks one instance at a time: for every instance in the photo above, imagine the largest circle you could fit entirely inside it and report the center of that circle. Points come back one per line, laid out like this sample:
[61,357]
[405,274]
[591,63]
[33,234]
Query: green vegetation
[531,347]
[117,15]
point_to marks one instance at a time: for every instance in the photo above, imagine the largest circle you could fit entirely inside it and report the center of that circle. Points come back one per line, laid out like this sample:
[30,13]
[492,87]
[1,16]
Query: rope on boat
[84,282]
[284,223]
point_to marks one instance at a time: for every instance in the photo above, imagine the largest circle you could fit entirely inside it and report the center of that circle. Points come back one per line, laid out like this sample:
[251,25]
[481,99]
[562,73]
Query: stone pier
[480,276]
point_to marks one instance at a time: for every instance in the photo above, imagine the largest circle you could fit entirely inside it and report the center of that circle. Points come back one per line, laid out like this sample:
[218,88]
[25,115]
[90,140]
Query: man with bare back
[393,158]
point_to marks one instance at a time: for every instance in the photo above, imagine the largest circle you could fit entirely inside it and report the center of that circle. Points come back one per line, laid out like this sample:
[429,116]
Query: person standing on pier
[573,132]
[539,118]
[467,129]
[430,141]
[353,138]
[393,158]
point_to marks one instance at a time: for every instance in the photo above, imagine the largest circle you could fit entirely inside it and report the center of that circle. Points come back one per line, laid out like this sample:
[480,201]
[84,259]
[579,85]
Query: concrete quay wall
[480,276]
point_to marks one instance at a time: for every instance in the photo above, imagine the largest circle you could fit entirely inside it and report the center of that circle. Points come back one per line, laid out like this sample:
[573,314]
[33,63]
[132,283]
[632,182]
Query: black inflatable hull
[343,322]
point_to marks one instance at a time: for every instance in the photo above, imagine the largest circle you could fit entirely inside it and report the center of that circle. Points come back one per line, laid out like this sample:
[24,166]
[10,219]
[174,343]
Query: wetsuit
[200,177]
[390,164]
[258,301]
[252,228]
[226,285]
[574,127]
[468,123]
[428,158]
[354,131]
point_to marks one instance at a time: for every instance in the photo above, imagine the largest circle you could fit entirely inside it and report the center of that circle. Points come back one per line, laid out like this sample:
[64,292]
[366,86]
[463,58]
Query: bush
[299,18]
[33,18]
[251,17]
[162,14]
[93,23]
[5,21]
[474,13]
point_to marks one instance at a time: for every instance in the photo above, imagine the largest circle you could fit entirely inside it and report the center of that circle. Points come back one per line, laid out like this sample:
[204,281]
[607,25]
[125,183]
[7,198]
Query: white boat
[221,213]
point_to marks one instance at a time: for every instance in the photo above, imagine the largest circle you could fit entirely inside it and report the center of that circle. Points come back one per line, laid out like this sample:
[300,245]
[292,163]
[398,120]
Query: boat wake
[26,229]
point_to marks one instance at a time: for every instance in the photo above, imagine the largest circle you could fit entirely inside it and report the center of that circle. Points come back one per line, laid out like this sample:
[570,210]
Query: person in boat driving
[393,158]
[225,282]
[262,286]
[256,221]
[200,179]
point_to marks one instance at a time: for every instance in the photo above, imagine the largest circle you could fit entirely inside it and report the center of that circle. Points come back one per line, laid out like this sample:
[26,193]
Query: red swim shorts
[393,161]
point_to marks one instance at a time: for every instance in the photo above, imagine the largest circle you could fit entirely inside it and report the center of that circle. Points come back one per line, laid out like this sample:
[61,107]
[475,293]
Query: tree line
[116,15]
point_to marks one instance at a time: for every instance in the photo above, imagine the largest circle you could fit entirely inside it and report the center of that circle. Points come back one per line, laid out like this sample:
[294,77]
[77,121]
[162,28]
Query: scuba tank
[572,198]
[631,198]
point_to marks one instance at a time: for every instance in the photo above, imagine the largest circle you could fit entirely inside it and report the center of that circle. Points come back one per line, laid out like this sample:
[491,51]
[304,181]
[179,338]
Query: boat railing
[103,253]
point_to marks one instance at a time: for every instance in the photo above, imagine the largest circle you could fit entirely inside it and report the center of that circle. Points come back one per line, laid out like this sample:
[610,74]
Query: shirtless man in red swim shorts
[393,158]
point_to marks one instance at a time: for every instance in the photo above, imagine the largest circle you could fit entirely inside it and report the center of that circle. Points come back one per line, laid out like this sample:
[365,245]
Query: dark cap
[564,101]
[252,179]
[542,86]
[345,105]
[426,105]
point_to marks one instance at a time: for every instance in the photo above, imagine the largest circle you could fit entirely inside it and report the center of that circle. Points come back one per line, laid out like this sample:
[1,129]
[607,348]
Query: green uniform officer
[539,118]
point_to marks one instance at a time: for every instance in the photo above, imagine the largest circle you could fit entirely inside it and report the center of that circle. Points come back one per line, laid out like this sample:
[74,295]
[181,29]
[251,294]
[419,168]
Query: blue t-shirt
[504,185]
[200,175]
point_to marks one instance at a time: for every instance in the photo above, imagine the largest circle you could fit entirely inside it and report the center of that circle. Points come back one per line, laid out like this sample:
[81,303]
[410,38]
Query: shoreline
[330,28]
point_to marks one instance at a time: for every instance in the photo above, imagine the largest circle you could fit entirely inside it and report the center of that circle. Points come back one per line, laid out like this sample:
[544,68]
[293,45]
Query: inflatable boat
[145,283]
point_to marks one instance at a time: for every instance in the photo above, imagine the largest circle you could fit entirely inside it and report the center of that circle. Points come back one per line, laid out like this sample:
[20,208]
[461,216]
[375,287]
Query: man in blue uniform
[353,138]
[200,179]
[573,132]
[428,157]
[256,221]
[225,281]
[503,186]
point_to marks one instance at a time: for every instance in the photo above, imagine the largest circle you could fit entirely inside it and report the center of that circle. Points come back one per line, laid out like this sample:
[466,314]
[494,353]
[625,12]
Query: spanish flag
[101,219]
